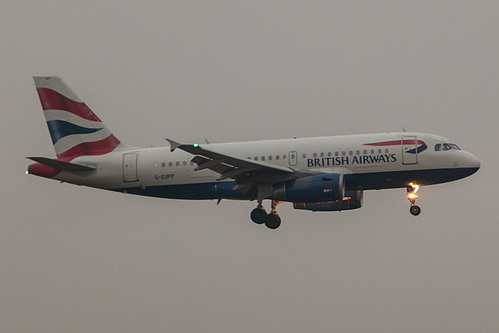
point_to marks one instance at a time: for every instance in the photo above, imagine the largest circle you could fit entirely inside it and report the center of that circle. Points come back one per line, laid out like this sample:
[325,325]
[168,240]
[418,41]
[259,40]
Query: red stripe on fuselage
[395,142]
[52,100]
[42,170]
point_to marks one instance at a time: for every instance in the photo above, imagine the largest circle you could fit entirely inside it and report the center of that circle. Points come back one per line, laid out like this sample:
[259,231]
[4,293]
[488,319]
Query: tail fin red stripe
[52,100]
[101,147]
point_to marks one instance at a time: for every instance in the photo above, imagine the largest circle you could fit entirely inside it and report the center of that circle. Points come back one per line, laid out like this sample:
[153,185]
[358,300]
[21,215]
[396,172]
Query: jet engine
[351,200]
[314,188]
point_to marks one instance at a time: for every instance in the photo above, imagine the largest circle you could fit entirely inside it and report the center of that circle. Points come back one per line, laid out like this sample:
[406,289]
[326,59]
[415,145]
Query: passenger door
[409,150]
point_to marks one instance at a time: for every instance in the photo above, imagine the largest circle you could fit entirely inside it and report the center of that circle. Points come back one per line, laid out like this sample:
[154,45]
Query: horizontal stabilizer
[62,165]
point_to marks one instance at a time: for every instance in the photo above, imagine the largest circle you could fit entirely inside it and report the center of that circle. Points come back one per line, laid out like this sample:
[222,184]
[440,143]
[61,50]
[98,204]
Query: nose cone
[474,161]
[470,162]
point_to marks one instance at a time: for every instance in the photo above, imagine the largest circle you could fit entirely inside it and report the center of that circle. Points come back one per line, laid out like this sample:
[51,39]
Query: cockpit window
[446,146]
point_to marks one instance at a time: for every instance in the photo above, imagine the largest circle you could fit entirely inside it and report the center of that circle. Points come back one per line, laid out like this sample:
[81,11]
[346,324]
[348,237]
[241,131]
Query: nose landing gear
[271,220]
[411,196]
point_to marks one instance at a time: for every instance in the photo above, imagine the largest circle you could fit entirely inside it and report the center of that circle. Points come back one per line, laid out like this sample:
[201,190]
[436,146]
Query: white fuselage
[371,161]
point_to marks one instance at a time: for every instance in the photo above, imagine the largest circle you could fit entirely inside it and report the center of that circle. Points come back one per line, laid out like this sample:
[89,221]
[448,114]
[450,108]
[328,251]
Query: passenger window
[277,157]
[379,151]
[387,151]
[372,151]
[304,156]
[438,146]
[329,154]
[256,158]
[177,163]
[284,157]
[343,153]
[263,158]
[270,157]
[184,163]
[315,154]
[336,153]
[365,152]
[357,152]
[350,152]
[163,164]
[322,154]
[170,164]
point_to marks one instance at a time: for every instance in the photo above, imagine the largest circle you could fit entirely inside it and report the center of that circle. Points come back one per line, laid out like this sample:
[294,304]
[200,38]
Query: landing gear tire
[273,221]
[415,210]
[259,215]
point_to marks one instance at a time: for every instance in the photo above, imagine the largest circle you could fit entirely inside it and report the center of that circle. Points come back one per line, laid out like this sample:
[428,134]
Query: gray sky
[75,259]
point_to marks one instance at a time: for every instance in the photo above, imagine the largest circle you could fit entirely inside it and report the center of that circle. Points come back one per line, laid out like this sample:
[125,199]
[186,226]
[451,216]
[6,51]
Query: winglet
[173,144]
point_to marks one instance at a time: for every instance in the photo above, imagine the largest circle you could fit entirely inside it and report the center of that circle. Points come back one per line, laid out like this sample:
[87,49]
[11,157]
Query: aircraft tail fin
[75,130]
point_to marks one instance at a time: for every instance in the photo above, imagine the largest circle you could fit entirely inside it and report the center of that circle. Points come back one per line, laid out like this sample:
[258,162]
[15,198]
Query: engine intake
[351,200]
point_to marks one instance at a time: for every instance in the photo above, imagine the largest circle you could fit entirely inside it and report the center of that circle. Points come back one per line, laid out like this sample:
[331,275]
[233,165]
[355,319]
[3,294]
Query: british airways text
[350,160]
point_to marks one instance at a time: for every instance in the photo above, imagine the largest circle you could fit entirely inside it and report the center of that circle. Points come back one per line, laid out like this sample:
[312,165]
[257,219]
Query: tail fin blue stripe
[60,128]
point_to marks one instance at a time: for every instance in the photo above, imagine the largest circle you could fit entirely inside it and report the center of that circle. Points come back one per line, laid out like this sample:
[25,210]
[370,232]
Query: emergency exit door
[130,167]
[293,158]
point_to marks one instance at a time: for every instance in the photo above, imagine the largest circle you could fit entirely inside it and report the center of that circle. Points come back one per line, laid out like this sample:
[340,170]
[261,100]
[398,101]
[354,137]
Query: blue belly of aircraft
[362,181]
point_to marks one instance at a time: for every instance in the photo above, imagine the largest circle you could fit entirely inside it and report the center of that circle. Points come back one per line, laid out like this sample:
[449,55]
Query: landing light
[411,195]
[27,172]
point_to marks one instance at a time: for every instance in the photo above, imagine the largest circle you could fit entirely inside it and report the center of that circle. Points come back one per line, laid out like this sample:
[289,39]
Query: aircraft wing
[246,172]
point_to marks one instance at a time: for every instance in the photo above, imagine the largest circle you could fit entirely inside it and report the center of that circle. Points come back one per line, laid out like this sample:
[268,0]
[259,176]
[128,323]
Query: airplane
[314,174]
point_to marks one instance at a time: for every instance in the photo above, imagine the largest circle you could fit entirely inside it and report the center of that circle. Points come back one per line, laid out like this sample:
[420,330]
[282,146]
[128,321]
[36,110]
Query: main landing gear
[260,216]
[411,196]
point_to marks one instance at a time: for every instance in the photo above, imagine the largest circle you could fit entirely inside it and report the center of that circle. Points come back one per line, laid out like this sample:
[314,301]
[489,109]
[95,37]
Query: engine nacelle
[351,200]
[314,188]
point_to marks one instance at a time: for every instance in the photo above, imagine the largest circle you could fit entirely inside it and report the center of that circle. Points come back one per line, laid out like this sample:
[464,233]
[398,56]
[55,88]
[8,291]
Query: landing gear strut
[273,220]
[411,196]
[260,216]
